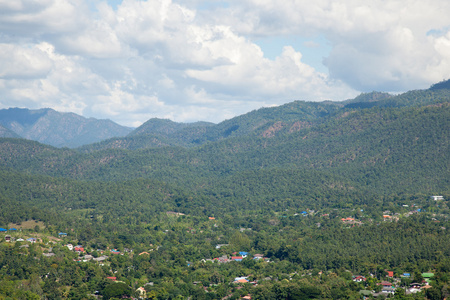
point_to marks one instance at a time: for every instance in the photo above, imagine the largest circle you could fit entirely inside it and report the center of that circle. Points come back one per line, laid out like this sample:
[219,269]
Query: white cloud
[376,45]
[27,61]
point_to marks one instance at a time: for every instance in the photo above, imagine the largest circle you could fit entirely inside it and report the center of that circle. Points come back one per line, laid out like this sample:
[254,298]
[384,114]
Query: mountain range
[376,144]
[57,129]
[70,130]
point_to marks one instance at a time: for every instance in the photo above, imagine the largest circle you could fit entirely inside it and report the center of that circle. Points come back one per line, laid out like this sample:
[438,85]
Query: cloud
[197,60]
[376,45]
[23,61]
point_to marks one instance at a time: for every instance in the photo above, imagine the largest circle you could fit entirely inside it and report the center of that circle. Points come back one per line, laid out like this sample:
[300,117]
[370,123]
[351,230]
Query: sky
[199,60]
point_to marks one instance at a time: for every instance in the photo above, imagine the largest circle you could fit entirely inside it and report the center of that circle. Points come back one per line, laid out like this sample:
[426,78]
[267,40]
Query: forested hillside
[316,194]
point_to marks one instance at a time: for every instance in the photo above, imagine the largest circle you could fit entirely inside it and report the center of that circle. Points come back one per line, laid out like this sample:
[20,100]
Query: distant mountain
[7,133]
[267,122]
[58,129]
[163,133]
[165,127]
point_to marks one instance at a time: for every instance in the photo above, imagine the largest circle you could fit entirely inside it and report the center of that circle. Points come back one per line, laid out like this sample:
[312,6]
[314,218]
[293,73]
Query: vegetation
[317,194]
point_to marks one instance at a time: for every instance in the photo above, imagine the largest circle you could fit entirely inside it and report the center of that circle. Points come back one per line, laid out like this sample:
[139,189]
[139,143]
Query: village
[385,283]
[374,285]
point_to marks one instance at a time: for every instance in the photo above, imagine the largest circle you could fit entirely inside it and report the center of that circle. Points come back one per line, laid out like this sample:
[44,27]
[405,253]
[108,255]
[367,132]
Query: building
[142,293]
[436,198]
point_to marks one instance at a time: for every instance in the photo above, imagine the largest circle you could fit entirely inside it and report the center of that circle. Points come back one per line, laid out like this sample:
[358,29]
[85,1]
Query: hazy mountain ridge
[7,133]
[58,129]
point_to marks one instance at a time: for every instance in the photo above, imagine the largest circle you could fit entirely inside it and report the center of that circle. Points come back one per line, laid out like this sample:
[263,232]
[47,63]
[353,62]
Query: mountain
[163,133]
[267,122]
[7,133]
[58,129]
[386,148]
[308,152]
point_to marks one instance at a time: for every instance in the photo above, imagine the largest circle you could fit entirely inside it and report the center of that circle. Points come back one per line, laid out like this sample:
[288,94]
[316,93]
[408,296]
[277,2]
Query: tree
[117,289]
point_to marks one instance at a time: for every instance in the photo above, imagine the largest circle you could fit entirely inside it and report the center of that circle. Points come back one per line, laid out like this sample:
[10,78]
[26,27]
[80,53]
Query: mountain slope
[269,122]
[59,129]
[7,133]
[383,150]
[163,133]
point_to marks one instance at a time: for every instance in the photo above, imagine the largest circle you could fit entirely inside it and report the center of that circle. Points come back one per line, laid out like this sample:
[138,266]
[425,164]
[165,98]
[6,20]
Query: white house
[436,198]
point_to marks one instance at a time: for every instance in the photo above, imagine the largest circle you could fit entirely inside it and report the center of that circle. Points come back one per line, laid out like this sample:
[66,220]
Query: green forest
[309,200]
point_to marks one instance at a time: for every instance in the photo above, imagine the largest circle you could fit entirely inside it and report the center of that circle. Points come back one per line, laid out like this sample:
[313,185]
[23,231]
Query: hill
[58,129]
[376,151]
[283,119]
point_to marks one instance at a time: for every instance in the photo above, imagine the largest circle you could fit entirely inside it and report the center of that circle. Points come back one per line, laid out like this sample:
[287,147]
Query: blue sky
[313,49]
[196,60]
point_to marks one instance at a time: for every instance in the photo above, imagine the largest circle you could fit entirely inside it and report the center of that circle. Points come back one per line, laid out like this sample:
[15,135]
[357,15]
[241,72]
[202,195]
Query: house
[222,259]
[248,297]
[20,240]
[412,291]
[87,257]
[359,278]
[142,293]
[3,230]
[388,290]
[32,240]
[347,220]
[237,258]
[69,246]
[218,246]
[427,275]
[385,284]
[115,251]
[436,198]
[390,273]
[243,254]
[62,234]
[173,213]
[365,293]
[7,238]
[100,258]
[78,248]
[211,218]
[242,279]
[113,278]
